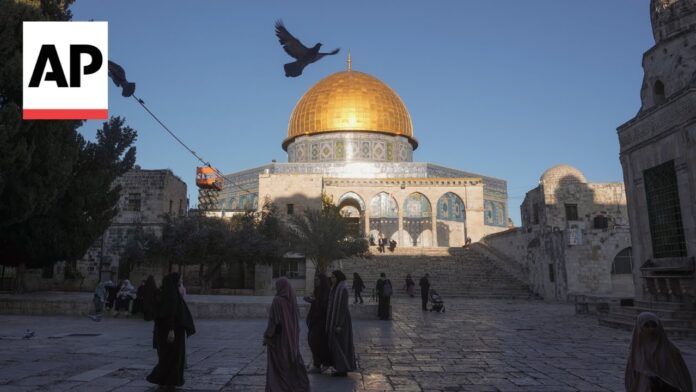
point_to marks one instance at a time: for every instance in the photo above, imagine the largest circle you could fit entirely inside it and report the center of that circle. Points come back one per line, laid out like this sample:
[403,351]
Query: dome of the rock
[350,101]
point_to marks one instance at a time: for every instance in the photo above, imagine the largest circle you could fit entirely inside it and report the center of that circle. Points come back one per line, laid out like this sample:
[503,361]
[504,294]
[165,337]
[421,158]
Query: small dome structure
[563,172]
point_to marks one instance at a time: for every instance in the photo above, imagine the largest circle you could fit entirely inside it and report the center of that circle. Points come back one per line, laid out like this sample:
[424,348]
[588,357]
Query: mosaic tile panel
[383,206]
[450,208]
[417,206]
[350,147]
[494,213]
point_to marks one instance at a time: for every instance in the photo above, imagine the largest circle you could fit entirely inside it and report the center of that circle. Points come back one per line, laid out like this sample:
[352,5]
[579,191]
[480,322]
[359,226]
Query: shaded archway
[451,216]
[622,272]
[384,217]
[352,209]
[418,220]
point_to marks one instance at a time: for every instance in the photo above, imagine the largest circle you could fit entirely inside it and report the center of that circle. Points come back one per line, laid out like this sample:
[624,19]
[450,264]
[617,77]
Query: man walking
[425,290]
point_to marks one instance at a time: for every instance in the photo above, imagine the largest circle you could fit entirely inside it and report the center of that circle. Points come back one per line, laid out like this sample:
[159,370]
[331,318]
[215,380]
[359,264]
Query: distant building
[147,196]
[574,240]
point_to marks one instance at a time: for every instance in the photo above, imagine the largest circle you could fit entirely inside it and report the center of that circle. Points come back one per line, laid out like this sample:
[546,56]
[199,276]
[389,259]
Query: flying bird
[118,75]
[298,51]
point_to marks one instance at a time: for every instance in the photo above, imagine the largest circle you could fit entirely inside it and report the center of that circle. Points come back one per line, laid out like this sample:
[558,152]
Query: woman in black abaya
[316,323]
[173,322]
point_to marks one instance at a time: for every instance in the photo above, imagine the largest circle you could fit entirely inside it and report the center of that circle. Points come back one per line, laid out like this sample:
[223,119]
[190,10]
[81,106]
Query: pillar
[366,215]
[401,225]
[433,208]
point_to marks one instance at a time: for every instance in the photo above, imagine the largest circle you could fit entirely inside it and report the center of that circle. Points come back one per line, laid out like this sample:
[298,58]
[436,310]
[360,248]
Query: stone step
[661,313]
[666,321]
[614,321]
[664,305]
[453,272]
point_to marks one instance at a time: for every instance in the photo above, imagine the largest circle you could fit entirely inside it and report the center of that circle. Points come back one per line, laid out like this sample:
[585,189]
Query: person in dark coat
[173,322]
[316,323]
[358,287]
[410,284]
[149,298]
[384,292]
[138,301]
[425,290]
[339,327]
[654,363]
[112,291]
[285,370]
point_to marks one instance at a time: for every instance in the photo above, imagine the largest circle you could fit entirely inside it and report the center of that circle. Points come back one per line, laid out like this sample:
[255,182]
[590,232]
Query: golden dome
[350,101]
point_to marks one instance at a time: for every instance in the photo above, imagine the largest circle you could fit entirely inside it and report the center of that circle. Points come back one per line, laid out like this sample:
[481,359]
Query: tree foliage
[56,188]
[323,235]
[212,243]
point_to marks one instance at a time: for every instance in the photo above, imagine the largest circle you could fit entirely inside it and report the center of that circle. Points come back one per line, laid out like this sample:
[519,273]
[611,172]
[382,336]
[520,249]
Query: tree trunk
[19,278]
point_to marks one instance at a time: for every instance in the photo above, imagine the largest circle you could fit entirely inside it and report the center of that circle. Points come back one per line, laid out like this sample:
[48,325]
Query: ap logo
[65,75]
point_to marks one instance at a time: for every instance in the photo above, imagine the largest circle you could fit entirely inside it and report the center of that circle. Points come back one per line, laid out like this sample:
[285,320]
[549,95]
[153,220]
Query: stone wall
[557,269]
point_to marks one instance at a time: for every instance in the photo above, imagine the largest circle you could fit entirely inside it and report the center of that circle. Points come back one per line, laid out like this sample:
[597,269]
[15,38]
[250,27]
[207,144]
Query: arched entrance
[352,209]
[384,217]
[451,218]
[418,220]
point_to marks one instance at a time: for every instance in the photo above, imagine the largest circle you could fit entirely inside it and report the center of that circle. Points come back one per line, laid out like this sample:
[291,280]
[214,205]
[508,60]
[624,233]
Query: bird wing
[292,45]
[331,52]
[320,55]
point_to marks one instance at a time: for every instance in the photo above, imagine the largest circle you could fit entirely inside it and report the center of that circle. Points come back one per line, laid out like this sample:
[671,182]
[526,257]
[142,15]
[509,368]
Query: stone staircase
[677,319]
[453,272]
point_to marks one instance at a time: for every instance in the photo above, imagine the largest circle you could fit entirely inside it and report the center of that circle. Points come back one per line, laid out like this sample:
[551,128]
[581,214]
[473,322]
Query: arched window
[417,220]
[600,222]
[623,262]
[384,217]
[659,92]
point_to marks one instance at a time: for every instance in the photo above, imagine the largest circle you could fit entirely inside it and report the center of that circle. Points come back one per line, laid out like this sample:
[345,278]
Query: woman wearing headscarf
[285,370]
[316,323]
[339,328]
[99,299]
[124,298]
[654,363]
[173,322]
[384,292]
[410,284]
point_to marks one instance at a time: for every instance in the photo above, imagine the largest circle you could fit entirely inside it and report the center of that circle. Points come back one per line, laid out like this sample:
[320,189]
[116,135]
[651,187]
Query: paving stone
[478,345]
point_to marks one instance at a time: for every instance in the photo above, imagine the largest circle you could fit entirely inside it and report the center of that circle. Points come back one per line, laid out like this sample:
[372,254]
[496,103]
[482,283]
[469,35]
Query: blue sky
[503,88]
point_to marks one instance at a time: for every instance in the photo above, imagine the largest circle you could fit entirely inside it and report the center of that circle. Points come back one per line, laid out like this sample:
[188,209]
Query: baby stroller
[436,300]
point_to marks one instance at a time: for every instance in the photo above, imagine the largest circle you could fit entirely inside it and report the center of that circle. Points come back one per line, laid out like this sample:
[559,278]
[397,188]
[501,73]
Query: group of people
[382,243]
[383,292]
[122,298]
[654,363]
[167,308]
[330,334]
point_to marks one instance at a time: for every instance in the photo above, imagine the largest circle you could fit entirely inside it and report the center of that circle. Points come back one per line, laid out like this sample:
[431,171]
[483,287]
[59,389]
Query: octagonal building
[350,137]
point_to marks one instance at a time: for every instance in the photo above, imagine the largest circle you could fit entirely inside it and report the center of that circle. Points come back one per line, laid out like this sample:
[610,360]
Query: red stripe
[65,114]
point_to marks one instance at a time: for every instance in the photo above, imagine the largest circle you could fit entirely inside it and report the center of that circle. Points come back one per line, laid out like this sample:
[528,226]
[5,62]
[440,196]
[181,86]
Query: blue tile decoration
[417,206]
[383,205]
[450,207]
[494,213]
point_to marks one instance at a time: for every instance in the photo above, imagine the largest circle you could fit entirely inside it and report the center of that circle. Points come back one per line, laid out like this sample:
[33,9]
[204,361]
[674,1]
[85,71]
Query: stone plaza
[477,345]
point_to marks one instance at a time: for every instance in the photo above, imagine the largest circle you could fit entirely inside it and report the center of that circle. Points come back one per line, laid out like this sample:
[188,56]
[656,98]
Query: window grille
[571,211]
[664,211]
[134,201]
